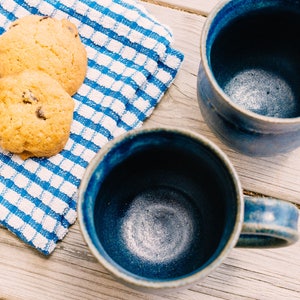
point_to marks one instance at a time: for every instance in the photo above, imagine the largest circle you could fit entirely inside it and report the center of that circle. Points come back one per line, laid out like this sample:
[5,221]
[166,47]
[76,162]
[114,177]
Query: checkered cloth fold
[131,63]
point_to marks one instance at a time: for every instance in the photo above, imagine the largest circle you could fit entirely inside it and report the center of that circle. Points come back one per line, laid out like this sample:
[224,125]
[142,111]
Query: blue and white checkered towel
[130,65]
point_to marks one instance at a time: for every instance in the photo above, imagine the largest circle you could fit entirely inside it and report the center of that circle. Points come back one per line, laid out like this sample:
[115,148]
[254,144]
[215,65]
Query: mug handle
[268,223]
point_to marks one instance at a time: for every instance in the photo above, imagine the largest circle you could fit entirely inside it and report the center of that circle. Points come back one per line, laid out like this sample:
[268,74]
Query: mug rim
[140,282]
[203,56]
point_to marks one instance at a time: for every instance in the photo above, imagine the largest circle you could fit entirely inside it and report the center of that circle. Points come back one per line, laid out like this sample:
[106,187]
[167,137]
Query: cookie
[36,114]
[45,44]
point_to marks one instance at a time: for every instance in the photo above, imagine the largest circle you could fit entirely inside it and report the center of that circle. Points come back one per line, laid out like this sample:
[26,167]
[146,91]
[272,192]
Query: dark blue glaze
[155,210]
[237,133]
[249,75]
[268,223]
[161,208]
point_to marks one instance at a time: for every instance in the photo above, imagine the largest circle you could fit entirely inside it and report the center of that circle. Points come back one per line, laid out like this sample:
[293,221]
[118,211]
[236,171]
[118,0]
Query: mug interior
[166,205]
[253,51]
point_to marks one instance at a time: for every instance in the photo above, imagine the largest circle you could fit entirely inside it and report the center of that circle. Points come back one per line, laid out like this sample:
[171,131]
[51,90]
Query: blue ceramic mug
[161,208]
[249,75]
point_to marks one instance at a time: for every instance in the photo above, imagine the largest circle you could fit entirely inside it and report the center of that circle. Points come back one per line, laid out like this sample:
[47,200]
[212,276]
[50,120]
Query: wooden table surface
[71,272]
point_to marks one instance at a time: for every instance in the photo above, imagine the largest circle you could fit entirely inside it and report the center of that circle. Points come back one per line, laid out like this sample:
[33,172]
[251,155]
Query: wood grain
[278,176]
[72,273]
[201,7]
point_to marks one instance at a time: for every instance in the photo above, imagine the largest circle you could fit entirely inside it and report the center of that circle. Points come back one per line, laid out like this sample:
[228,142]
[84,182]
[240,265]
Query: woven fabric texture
[131,63]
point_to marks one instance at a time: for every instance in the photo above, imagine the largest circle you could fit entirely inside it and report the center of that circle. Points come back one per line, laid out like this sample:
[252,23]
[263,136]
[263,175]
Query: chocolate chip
[13,25]
[73,31]
[40,113]
[44,18]
[71,28]
[28,97]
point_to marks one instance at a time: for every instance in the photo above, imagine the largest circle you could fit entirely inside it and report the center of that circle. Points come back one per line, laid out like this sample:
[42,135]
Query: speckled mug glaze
[161,208]
[249,75]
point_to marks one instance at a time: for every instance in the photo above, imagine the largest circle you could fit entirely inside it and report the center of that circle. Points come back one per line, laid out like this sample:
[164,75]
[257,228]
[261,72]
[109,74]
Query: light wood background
[71,272]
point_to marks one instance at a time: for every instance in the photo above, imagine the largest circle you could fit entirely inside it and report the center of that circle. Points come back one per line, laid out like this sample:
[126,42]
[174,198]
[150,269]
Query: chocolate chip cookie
[45,44]
[36,114]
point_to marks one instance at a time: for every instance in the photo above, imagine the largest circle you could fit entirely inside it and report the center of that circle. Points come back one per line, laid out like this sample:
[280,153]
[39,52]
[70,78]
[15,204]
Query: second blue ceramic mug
[249,75]
[161,208]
